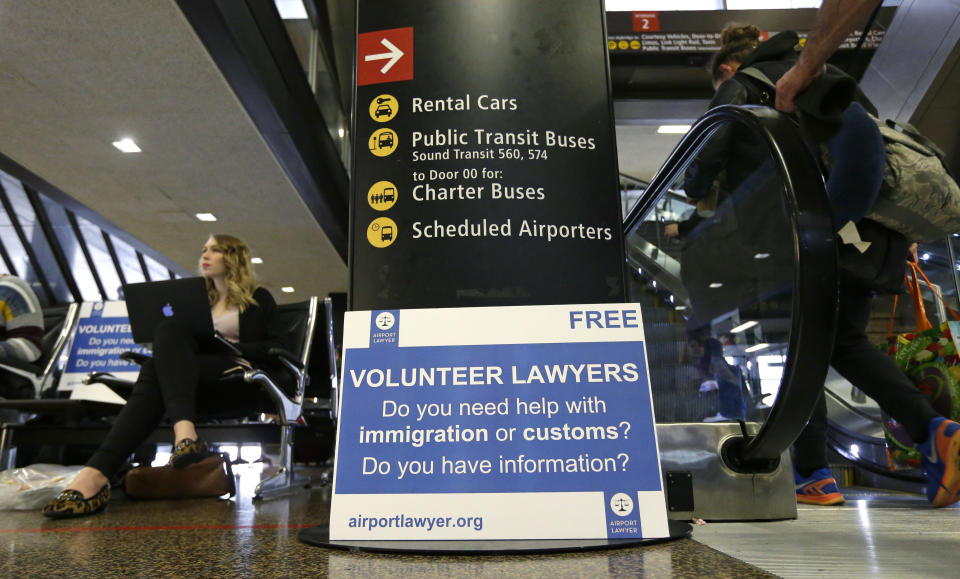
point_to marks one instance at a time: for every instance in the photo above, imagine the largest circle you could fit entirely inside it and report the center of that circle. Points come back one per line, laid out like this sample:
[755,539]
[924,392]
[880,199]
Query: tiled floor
[876,536]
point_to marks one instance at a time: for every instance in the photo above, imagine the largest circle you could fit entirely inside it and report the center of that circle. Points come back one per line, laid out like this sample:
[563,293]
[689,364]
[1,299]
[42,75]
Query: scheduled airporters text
[527,228]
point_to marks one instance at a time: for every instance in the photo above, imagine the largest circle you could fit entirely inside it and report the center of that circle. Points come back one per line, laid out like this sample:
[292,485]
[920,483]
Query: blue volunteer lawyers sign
[102,334]
[528,422]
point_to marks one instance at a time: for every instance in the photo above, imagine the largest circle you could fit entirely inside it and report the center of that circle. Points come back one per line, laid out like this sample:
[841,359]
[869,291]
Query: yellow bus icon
[382,232]
[383,142]
[382,195]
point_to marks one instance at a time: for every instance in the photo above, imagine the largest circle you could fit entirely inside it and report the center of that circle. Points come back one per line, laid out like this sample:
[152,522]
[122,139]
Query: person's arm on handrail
[835,21]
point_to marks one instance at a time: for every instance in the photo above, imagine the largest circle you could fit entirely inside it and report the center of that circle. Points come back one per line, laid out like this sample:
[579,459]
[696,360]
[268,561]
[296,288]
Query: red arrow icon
[394,46]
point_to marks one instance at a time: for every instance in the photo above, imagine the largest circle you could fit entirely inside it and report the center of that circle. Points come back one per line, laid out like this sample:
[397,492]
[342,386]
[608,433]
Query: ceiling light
[673,129]
[761,256]
[127,145]
[680,308]
[341,132]
[715,285]
[744,326]
[206,217]
[287,289]
[925,256]
[757,347]
[256,260]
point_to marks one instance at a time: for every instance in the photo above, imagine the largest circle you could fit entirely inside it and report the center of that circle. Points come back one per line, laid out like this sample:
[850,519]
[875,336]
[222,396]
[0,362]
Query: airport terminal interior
[132,131]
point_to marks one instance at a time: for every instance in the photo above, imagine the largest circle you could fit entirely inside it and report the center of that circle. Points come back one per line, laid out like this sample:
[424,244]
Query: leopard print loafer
[187,452]
[70,504]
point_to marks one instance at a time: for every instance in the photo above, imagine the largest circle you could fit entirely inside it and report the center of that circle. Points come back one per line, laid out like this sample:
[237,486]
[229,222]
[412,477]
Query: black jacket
[736,148]
[260,327]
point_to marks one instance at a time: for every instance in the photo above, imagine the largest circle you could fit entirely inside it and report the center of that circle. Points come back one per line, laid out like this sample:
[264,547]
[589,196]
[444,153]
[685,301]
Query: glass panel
[305,39]
[329,102]
[938,264]
[157,271]
[712,266]
[71,250]
[132,272]
[8,235]
[21,261]
[38,243]
[101,258]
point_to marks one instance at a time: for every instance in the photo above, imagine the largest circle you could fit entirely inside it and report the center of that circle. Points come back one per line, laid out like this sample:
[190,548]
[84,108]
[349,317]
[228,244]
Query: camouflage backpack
[919,198]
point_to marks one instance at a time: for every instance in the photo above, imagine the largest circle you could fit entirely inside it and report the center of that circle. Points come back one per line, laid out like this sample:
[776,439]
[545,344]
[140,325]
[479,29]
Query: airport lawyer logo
[385,320]
[621,504]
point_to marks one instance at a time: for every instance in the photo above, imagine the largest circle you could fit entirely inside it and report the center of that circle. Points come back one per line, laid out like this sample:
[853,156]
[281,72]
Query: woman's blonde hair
[736,42]
[240,280]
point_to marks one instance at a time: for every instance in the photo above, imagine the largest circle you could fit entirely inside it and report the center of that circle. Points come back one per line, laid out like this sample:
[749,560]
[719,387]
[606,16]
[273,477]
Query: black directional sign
[484,169]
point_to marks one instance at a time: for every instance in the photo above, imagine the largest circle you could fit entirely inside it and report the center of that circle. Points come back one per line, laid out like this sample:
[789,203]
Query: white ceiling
[641,151]
[76,75]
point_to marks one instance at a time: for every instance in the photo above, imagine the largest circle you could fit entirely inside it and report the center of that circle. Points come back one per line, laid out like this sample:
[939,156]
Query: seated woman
[182,375]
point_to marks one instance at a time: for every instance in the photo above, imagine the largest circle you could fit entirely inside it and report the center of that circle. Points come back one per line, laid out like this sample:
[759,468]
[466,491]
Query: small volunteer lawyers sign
[527,422]
[103,333]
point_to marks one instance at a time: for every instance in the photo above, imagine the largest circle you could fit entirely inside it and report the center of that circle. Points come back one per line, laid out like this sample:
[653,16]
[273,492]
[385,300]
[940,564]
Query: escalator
[737,282]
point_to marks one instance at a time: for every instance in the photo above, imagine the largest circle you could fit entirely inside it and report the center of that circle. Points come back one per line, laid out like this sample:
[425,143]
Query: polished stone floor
[242,538]
[875,535]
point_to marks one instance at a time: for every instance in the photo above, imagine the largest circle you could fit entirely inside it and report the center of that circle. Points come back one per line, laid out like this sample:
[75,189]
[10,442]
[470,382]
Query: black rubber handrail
[815,278]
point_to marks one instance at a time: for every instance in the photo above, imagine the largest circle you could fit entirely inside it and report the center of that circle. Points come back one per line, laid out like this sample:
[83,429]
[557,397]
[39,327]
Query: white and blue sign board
[102,334]
[527,422]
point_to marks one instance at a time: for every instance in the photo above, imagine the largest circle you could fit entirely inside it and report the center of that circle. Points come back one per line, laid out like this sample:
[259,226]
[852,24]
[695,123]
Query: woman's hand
[671,230]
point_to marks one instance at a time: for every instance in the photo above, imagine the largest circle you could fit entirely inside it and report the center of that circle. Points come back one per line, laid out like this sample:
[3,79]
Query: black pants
[177,380]
[870,370]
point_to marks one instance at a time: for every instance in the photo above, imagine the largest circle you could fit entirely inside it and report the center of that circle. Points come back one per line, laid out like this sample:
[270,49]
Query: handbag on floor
[930,359]
[211,477]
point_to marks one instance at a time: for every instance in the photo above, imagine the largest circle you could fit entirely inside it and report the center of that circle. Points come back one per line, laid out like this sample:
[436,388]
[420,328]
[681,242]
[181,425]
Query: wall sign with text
[485,169]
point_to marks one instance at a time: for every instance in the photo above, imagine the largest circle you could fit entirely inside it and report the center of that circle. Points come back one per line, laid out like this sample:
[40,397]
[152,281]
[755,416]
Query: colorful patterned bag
[930,358]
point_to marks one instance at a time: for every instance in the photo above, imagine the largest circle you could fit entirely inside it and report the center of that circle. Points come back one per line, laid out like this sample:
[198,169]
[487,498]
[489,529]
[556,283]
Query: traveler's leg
[815,484]
[872,371]
[175,353]
[140,415]
[810,448]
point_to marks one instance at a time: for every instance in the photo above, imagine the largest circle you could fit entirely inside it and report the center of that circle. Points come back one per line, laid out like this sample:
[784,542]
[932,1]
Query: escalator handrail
[815,257]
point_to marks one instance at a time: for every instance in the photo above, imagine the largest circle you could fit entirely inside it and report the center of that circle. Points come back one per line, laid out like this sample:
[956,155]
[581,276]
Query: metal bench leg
[284,480]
